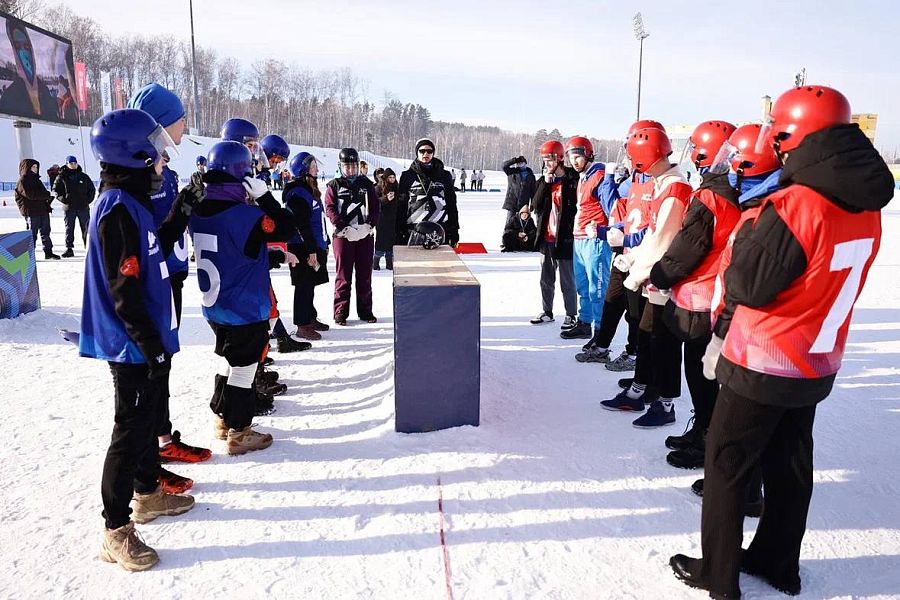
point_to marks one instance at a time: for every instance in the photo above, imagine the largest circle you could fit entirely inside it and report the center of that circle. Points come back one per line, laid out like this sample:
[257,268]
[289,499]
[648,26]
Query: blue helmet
[231,157]
[239,130]
[275,148]
[129,138]
[299,165]
[71,158]
[201,160]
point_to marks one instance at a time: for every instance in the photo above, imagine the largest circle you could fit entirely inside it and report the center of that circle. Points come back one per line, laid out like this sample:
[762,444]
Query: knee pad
[242,377]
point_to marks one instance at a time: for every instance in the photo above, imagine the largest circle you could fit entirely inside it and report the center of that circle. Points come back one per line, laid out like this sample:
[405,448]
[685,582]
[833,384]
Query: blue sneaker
[624,403]
[656,416]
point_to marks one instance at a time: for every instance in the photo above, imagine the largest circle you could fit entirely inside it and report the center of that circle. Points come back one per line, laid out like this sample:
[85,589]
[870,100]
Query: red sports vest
[681,191]
[589,208]
[695,292]
[718,299]
[802,333]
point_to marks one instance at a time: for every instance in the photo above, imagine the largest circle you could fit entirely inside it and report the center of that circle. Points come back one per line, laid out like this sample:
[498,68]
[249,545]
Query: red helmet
[553,148]
[706,141]
[645,124]
[583,144]
[804,110]
[646,147]
[744,157]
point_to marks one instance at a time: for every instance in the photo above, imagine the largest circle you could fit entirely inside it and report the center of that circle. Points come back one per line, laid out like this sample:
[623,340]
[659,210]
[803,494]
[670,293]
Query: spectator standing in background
[520,186]
[385,231]
[462,181]
[33,201]
[75,190]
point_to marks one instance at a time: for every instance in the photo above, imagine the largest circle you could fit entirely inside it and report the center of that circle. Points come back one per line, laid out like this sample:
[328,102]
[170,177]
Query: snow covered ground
[550,497]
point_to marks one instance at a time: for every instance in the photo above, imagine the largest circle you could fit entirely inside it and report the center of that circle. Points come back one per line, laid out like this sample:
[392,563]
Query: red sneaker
[177,451]
[172,483]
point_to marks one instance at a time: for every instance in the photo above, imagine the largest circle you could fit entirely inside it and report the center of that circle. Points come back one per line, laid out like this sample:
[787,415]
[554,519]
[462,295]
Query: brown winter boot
[241,441]
[146,507]
[220,428]
[125,546]
[308,332]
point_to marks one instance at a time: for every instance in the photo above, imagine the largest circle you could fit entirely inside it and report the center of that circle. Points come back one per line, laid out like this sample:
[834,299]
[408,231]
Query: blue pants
[592,262]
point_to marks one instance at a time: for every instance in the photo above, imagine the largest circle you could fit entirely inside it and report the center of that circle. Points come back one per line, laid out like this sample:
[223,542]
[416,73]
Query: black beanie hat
[424,142]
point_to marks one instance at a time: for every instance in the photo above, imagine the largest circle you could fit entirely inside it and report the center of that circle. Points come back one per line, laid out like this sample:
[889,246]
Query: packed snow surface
[550,497]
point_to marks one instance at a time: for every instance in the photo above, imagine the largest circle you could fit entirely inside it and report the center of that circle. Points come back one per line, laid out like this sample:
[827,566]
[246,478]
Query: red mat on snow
[470,248]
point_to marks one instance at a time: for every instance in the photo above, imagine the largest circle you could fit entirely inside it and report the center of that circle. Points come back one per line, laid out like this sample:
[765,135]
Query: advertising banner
[81,85]
[19,291]
[105,92]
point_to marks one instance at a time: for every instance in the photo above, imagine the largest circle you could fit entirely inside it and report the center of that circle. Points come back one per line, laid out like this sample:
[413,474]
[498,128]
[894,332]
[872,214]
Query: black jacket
[511,241]
[841,164]
[688,249]
[385,232]
[420,186]
[32,197]
[74,188]
[520,188]
[118,238]
[541,206]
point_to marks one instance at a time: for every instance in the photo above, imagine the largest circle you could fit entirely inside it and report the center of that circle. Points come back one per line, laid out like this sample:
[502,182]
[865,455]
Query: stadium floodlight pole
[641,34]
[194,73]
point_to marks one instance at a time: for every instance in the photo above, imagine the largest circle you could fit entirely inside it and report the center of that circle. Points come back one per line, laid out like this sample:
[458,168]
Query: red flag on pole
[81,93]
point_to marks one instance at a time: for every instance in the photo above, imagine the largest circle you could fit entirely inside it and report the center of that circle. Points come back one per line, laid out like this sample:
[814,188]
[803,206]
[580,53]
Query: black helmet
[427,234]
[348,155]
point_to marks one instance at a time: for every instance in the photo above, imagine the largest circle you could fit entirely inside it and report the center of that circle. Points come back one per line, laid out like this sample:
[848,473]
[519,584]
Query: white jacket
[656,242]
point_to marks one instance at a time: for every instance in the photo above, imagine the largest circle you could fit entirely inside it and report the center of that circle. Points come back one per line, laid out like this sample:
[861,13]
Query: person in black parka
[33,201]
[520,233]
[521,185]
[385,231]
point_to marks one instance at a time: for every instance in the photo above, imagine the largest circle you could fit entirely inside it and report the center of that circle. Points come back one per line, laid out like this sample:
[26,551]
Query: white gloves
[354,233]
[615,237]
[711,357]
[291,259]
[623,262]
[591,230]
[255,187]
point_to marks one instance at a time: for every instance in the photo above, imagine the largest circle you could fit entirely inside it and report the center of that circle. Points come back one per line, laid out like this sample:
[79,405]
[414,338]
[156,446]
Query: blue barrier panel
[437,341]
[19,291]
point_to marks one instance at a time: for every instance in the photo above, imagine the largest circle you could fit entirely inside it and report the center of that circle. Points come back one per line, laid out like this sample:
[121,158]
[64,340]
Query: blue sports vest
[162,204]
[235,287]
[316,218]
[103,334]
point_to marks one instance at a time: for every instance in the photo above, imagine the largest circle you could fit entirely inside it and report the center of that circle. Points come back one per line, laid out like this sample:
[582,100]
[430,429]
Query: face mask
[746,183]
[156,183]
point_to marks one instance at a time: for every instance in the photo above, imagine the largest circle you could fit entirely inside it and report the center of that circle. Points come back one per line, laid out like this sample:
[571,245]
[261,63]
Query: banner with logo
[105,92]
[19,291]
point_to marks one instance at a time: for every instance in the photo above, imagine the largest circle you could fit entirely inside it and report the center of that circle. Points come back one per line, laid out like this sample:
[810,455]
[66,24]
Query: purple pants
[347,257]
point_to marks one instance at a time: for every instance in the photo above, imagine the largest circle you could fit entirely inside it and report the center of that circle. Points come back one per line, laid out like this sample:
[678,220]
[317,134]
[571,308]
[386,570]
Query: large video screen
[37,78]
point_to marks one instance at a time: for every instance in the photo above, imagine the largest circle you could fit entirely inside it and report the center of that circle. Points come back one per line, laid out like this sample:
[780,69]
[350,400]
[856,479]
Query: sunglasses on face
[426,151]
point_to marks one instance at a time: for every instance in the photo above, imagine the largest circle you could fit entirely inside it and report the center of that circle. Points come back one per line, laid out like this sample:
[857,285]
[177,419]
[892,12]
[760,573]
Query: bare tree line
[329,108]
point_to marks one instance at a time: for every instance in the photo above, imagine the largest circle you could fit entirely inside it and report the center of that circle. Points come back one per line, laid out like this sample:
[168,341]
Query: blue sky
[525,65]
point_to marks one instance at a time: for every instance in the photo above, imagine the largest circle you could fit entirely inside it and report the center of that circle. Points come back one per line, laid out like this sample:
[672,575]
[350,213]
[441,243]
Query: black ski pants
[743,434]
[132,459]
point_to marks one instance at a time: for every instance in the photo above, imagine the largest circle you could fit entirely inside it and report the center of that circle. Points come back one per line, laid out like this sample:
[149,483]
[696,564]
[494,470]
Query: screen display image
[37,78]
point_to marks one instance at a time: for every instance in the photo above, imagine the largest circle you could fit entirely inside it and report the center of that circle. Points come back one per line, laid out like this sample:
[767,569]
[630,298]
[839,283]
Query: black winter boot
[389,260]
[376,266]
[288,344]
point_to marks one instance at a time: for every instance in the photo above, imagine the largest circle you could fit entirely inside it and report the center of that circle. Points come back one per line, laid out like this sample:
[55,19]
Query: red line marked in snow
[444,549]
